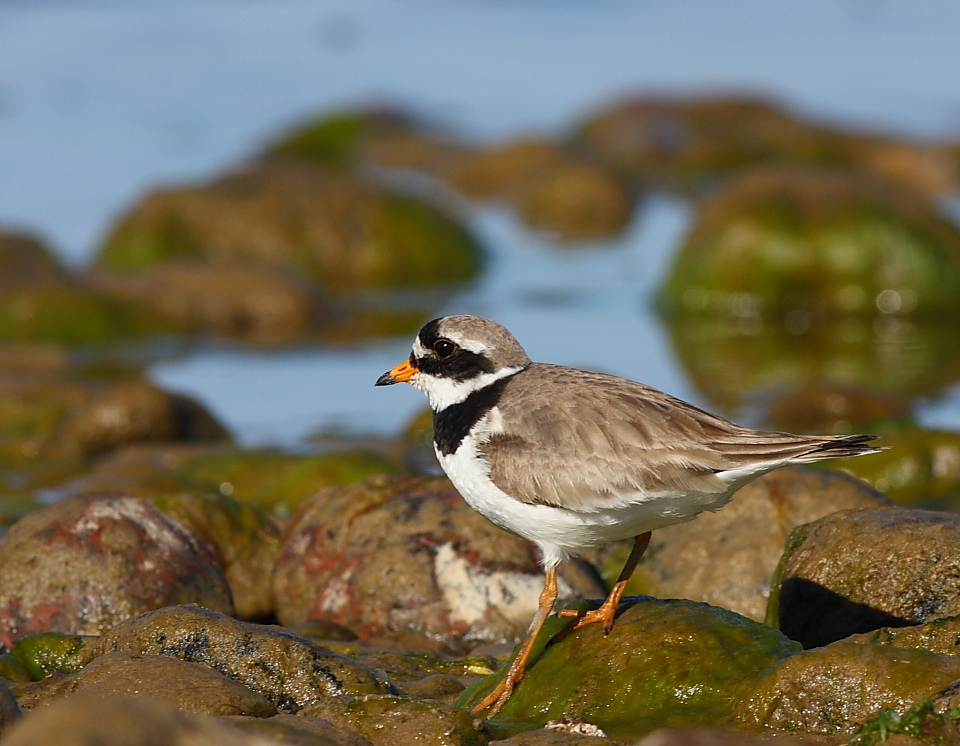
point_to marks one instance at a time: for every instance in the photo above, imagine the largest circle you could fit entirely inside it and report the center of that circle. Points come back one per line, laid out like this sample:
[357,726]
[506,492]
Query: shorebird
[570,459]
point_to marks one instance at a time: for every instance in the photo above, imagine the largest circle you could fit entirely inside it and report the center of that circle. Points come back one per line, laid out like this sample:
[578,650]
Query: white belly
[560,533]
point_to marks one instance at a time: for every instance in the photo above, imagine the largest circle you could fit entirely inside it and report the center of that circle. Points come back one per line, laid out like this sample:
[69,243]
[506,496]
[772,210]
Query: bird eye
[444,348]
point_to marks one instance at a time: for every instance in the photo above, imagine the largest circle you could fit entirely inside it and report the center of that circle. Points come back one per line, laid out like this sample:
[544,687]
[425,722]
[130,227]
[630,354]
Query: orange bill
[398,374]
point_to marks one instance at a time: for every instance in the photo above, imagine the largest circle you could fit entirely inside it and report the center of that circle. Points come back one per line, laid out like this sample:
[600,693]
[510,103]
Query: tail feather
[839,447]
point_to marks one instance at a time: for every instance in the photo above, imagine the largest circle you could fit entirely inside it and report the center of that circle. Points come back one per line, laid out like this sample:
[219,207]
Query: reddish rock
[87,562]
[408,558]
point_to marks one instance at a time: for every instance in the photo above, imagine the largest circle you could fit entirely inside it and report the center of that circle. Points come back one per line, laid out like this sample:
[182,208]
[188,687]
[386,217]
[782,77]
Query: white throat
[445,392]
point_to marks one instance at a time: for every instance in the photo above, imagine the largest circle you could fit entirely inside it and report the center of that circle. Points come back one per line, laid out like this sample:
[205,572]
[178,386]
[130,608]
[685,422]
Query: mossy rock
[71,314]
[731,361]
[329,227]
[920,468]
[44,653]
[666,663]
[801,243]
[278,481]
[243,537]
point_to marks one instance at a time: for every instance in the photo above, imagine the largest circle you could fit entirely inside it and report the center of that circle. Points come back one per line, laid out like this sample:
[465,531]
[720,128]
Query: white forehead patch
[471,345]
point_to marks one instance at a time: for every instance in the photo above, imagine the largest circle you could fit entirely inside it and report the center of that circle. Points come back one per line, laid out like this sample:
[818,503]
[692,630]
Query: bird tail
[838,446]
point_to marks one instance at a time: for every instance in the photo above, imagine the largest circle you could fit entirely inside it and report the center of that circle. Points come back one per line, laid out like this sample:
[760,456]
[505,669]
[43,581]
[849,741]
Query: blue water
[101,100]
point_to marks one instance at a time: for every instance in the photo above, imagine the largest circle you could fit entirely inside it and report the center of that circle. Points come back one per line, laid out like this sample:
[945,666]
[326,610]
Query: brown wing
[583,439]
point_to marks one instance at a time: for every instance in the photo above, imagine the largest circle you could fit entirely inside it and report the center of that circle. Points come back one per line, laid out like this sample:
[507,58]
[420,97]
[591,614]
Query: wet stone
[89,561]
[296,730]
[665,663]
[397,721]
[290,671]
[835,688]
[191,687]
[406,558]
[856,571]
[244,538]
[83,720]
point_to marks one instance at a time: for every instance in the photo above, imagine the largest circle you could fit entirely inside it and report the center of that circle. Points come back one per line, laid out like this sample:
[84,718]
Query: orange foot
[605,615]
[500,694]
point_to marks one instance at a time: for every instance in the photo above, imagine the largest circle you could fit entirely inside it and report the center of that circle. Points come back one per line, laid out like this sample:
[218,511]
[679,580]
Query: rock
[726,737]
[12,669]
[44,653]
[859,570]
[550,737]
[941,636]
[256,303]
[83,720]
[244,538]
[666,663]
[25,258]
[921,468]
[769,245]
[191,687]
[553,189]
[688,142]
[397,721]
[9,712]
[134,411]
[296,730]
[376,136]
[278,481]
[70,313]
[835,688]
[406,557]
[89,561]
[332,229]
[289,670]
[728,558]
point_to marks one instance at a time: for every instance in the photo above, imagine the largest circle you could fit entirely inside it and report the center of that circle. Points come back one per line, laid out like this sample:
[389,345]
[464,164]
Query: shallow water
[101,100]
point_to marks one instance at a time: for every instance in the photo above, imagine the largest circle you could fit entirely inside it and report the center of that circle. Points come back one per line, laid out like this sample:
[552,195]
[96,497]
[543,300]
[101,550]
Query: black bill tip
[386,380]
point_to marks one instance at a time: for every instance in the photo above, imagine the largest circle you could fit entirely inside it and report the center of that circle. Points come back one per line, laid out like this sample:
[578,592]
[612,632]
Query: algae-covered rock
[24,257]
[733,361]
[406,556]
[12,669]
[728,558]
[856,571]
[70,313]
[384,136]
[244,538]
[396,721]
[88,561]
[290,671]
[665,663]
[43,653]
[799,244]
[330,228]
[921,468]
[834,689]
[191,687]
[279,481]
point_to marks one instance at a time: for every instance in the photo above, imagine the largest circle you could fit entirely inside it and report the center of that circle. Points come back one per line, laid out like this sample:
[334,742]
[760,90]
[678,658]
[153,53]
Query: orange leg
[608,609]
[501,693]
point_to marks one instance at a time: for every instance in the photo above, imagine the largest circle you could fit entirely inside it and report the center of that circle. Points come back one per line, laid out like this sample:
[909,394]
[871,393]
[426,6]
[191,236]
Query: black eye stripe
[460,367]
